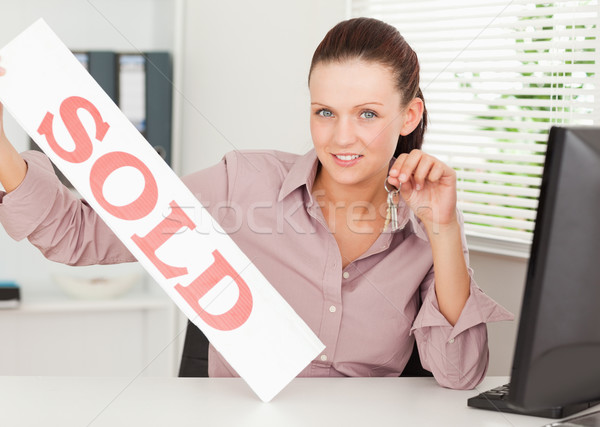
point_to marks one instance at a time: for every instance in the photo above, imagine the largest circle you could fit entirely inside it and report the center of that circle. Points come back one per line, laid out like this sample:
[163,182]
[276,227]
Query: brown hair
[375,41]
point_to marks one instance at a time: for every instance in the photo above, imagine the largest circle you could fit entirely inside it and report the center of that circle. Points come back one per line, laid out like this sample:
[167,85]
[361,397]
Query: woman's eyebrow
[369,103]
[356,106]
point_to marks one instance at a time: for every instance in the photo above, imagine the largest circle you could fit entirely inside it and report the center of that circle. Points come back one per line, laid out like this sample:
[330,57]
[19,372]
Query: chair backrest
[413,367]
[194,359]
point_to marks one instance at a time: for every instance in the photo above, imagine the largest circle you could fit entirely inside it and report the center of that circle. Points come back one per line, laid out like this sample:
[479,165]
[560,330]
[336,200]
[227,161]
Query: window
[496,76]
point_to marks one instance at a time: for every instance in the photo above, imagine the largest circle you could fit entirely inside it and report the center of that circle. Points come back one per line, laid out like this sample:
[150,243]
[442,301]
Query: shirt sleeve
[65,228]
[457,355]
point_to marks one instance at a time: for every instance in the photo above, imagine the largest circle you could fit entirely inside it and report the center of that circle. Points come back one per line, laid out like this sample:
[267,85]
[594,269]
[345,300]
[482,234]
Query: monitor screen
[557,354]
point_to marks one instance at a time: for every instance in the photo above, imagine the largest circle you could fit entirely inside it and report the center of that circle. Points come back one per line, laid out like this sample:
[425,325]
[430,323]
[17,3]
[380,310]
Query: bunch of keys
[392,208]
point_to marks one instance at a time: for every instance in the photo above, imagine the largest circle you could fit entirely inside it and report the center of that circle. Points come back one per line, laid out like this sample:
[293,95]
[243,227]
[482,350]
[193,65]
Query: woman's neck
[343,196]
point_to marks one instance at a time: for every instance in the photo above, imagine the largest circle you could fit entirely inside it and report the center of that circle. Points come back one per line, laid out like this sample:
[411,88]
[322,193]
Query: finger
[395,170]
[423,170]
[437,171]
[409,166]
[407,189]
[2,70]
[393,181]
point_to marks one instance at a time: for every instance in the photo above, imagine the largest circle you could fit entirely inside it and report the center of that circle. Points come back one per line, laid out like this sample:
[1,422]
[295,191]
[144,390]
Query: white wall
[503,279]
[126,25]
[245,69]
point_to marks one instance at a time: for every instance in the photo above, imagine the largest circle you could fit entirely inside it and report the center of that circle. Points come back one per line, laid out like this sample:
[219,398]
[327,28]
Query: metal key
[392,208]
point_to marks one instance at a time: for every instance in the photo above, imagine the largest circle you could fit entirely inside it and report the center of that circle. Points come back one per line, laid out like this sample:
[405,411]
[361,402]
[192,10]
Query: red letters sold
[219,270]
[140,208]
[69,109]
[110,162]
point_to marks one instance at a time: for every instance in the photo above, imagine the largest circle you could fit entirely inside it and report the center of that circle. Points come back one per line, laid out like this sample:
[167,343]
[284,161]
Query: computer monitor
[557,355]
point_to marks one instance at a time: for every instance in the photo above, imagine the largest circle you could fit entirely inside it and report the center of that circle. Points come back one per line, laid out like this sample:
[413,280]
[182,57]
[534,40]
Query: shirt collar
[304,171]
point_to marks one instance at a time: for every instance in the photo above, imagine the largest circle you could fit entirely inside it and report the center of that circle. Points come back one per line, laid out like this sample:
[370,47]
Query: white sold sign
[85,134]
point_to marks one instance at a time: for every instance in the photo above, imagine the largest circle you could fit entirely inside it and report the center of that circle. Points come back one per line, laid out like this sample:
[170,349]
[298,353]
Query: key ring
[385,183]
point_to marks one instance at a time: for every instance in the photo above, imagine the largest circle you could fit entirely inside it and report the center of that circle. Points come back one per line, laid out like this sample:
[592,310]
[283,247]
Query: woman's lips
[346,160]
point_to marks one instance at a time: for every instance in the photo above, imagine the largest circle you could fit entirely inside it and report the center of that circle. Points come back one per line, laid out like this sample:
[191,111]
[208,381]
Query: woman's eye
[325,113]
[368,115]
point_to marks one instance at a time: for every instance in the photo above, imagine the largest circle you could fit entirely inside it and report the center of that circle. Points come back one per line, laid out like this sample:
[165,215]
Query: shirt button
[332,309]
[346,275]
[324,357]
[451,341]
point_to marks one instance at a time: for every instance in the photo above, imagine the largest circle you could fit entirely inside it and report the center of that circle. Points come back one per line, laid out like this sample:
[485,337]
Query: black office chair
[194,359]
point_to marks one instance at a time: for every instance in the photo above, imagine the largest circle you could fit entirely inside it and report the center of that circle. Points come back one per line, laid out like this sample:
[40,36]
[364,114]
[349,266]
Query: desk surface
[95,402]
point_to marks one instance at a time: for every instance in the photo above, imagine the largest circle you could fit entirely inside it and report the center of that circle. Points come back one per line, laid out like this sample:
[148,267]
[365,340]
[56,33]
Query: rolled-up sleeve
[64,228]
[457,355]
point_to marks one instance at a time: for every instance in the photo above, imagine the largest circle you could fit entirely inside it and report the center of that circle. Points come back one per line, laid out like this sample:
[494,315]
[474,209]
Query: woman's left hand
[428,186]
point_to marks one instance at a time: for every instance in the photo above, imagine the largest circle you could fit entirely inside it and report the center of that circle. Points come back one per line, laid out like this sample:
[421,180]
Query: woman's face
[356,119]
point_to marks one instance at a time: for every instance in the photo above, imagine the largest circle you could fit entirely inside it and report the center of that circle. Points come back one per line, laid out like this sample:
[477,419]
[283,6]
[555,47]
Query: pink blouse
[367,314]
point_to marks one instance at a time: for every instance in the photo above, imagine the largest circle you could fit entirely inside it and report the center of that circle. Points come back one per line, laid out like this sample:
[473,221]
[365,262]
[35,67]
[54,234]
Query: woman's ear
[412,116]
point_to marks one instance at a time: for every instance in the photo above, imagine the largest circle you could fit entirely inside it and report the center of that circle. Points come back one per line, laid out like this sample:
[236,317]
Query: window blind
[496,75]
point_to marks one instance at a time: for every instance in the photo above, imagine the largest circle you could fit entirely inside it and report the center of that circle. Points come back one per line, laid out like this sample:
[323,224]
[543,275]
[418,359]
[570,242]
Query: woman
[366,269]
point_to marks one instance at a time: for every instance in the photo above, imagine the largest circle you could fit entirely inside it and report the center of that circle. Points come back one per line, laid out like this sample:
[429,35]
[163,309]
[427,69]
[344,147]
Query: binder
[145,96]
[159,102]
[132,89]
[103,68]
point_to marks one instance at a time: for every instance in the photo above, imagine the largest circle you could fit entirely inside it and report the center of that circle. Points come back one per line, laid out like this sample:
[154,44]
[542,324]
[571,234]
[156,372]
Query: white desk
[180,402]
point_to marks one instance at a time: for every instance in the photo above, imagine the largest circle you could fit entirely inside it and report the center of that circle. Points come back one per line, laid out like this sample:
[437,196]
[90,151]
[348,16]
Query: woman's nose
[345,134]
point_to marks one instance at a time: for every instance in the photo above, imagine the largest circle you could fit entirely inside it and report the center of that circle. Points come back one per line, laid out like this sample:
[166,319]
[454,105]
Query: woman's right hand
[12,166]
